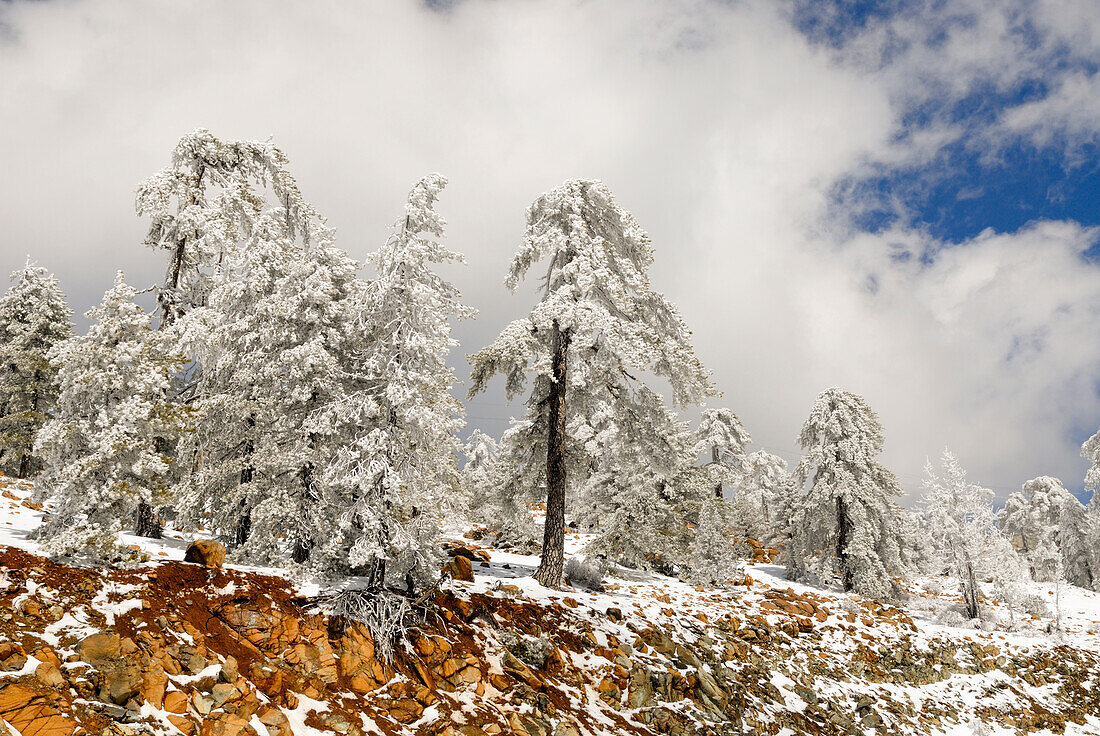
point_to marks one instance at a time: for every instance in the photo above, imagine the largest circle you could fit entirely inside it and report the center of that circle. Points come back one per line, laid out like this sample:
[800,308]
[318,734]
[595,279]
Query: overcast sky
[902,201]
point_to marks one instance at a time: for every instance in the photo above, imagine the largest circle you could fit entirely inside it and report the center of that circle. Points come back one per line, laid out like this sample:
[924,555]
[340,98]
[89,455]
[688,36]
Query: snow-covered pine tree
[488,500]
[763,497]
[1090,450]
[597,326]
[723,437]
[639,503]
[33,318]
[265,344]
[396,420]
[962,523]
[99,448]
[207,201]
[1044,515]
[845,524]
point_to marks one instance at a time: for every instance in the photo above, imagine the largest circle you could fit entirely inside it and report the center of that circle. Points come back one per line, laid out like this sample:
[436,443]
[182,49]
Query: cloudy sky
[902,200]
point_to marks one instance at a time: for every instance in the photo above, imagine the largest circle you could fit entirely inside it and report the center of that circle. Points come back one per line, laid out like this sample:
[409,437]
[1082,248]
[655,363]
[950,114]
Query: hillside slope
[170,647]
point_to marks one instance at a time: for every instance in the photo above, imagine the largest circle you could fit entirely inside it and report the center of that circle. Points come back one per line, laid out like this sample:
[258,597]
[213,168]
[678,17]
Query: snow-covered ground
[843,624]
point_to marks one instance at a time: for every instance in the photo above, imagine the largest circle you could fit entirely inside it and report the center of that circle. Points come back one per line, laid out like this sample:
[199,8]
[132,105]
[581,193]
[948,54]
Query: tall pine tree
[33,319]
[597,328]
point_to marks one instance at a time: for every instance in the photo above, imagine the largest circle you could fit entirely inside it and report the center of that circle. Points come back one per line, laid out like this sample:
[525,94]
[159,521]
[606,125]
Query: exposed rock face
[224,653]
[206,552]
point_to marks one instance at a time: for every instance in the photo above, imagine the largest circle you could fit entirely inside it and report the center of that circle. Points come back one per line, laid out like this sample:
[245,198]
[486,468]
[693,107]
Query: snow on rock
[179,648]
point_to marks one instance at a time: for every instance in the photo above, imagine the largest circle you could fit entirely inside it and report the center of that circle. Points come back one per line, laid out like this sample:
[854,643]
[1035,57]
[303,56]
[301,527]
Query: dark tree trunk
[970,590]
[843,533]
[553,538]
[24,464]
[302,548]
[715,459]
[146,523]
[243,528]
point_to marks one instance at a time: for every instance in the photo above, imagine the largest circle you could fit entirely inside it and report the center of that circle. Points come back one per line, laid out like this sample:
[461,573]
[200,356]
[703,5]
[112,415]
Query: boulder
[49,675]
[99,649]
[12,657]
[206,552]
[460,568]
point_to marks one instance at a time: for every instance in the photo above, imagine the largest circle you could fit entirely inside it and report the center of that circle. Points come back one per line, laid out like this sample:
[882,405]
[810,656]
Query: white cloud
[718,125]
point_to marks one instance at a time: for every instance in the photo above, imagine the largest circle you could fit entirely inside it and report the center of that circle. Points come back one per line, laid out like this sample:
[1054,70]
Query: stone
[175,702]
[206,552]
[184,724]
[222,693]
[31,714]
[274,720]
[460,568]
[225,724]
[12,657]
[121,684]
[229,670]
[99,649]
[49,674]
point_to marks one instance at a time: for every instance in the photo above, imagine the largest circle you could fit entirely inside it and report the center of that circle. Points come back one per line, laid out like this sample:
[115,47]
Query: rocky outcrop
[217,652]
[206,552]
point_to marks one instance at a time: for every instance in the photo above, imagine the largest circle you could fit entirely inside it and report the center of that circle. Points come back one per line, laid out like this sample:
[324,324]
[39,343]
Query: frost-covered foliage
[266,344]
[586,572]
[846,522]
[722,436]
[33,318]
[715,559]
[597,329]
[213,197]
[763,498]
[100,448]
[395,419]
[961,521]
[483,477]
[1090,450]
[1044,516]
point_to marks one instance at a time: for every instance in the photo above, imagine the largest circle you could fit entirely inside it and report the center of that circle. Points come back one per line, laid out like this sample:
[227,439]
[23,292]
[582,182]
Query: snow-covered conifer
[714,558]
[265,346]
[763,497]
[845,524]
[396,419]
[598,327]
[210,199]
[488,498]
[33,318]
[1043,515]
[962,523]
[100,449]
[723,438]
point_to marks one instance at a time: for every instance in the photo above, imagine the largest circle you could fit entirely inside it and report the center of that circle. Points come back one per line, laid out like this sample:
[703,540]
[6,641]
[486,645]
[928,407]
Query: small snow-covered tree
[100,448]
[1090,450]
[489,500]
[763,497]
[639,504]
[209,200]
[714,558]
[396,420]
[1043,515]
[598,327]
[845,524]
[723,437]
[33,318]
[962,524]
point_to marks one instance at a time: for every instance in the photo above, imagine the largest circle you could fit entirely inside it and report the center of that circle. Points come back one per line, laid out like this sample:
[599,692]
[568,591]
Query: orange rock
[184,724]
[460,568]
[206,552]
[49,674]
[175,702]
[30,713]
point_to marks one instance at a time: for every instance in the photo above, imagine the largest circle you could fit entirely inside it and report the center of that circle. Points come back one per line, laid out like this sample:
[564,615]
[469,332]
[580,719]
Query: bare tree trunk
[553,538]
[970,589]
[243,528]
[24,465]
[843,532]
[146,523]
[715,459]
